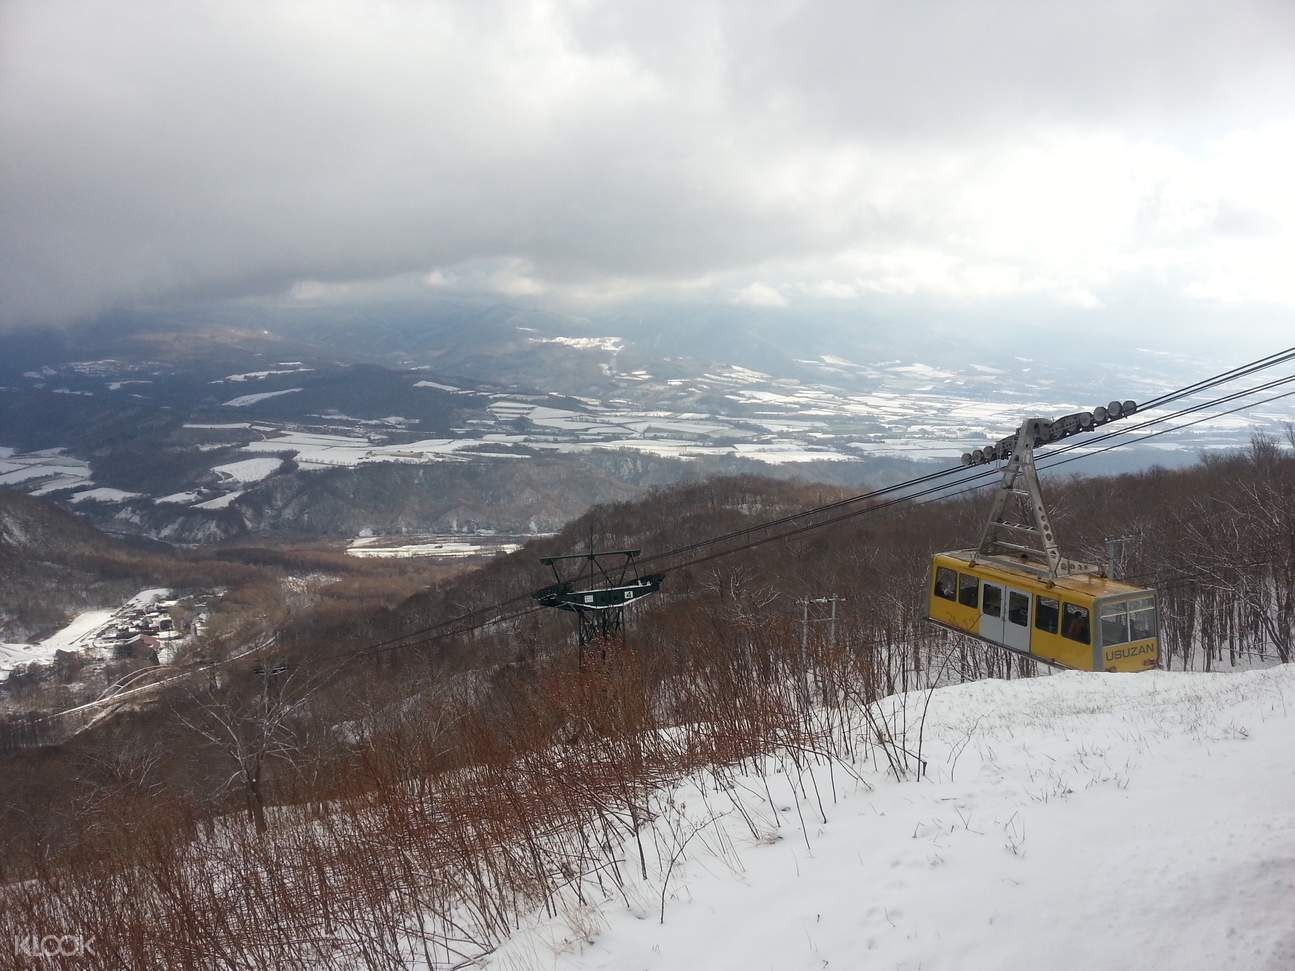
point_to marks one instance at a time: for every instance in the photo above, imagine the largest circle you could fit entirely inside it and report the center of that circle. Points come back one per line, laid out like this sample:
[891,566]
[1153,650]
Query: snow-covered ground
[448,547]
[262,375]
[249,470]
[74,637]
[220,502]
[46,469]
[179,498]
[243,400]
[612,344]
[819,409]
[103,494]
[1072,821]
[78,635]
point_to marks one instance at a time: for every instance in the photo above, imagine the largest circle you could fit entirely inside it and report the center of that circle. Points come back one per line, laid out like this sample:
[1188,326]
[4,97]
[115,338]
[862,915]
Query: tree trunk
[255,803]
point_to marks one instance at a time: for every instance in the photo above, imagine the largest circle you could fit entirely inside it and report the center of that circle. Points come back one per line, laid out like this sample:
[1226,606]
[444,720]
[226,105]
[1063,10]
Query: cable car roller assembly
[1021,481]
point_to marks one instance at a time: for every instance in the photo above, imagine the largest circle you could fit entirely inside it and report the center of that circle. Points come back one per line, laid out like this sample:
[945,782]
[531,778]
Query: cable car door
[1016,621]
[991,611]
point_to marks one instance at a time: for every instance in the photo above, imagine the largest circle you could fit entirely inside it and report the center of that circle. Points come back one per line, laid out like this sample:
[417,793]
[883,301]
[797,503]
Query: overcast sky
[1085,156]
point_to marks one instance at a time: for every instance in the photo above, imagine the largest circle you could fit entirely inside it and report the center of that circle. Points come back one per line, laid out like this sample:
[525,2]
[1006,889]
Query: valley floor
[1071,821]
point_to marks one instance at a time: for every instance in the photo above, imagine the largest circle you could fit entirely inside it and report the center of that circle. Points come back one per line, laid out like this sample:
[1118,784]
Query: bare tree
[253,721]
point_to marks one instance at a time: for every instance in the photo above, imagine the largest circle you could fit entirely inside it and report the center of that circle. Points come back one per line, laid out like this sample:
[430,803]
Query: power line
[473,620]
[1198,421]
[1224,377]
[480,617]
[1142,438]
[1240,371]
[808,527]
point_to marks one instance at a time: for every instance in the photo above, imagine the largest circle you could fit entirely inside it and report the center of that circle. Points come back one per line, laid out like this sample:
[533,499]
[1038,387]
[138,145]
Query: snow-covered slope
[1072,821]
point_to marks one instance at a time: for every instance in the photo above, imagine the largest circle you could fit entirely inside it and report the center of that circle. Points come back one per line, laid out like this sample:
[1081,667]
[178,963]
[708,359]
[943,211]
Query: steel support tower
[603,585]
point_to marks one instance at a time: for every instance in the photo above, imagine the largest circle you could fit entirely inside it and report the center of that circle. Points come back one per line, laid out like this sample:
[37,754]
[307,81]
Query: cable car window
[1018,608]
[968,590]
[1075,624]
[1046,613]
[993,601]
[1115,623]
[1142,619]
[946,583]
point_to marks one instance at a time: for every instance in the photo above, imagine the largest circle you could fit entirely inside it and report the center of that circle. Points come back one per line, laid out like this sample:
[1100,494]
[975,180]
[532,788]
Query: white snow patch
[45,464]
[179,498]
[243,400]
[249,470]
[612,344]
[262,375]
[452,549]
[924,371]
[75,636]
[23,473]
[220,502]
[103,494]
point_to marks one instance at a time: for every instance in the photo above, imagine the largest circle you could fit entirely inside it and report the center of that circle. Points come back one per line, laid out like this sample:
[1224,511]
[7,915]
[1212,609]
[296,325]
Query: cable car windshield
[1128,620]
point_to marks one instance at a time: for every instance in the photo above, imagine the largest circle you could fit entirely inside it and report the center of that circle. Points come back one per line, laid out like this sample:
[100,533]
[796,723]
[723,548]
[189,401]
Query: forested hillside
[52,562]
[387,790]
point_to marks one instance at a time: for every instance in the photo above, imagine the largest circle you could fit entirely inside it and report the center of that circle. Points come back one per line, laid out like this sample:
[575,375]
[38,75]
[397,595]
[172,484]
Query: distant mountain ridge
[309,420]
[36,529]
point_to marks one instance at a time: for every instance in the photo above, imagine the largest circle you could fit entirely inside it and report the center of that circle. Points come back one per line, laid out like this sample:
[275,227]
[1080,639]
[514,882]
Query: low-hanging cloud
[761,153]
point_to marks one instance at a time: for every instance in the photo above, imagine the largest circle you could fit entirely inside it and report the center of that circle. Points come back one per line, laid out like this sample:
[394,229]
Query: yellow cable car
[1024,596]
[1053,622]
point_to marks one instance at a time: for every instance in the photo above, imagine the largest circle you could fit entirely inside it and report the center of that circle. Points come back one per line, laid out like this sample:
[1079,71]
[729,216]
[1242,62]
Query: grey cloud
[158,150]
[932,69]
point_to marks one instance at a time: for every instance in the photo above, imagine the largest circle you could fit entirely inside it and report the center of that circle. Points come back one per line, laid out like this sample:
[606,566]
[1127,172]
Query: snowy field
[449,547]
[103,494]
[1072,821]
[249,470]
[261,375]
[243,400]
[220,502]
[822,409]
[46,470]
[78,635]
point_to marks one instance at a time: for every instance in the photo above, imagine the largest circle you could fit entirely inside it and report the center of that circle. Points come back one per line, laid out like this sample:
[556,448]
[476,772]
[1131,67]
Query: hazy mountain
[306,419]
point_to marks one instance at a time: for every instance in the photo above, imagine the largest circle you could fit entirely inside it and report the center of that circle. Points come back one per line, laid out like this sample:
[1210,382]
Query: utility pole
[1114,545]
[824,615]
[815,610]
